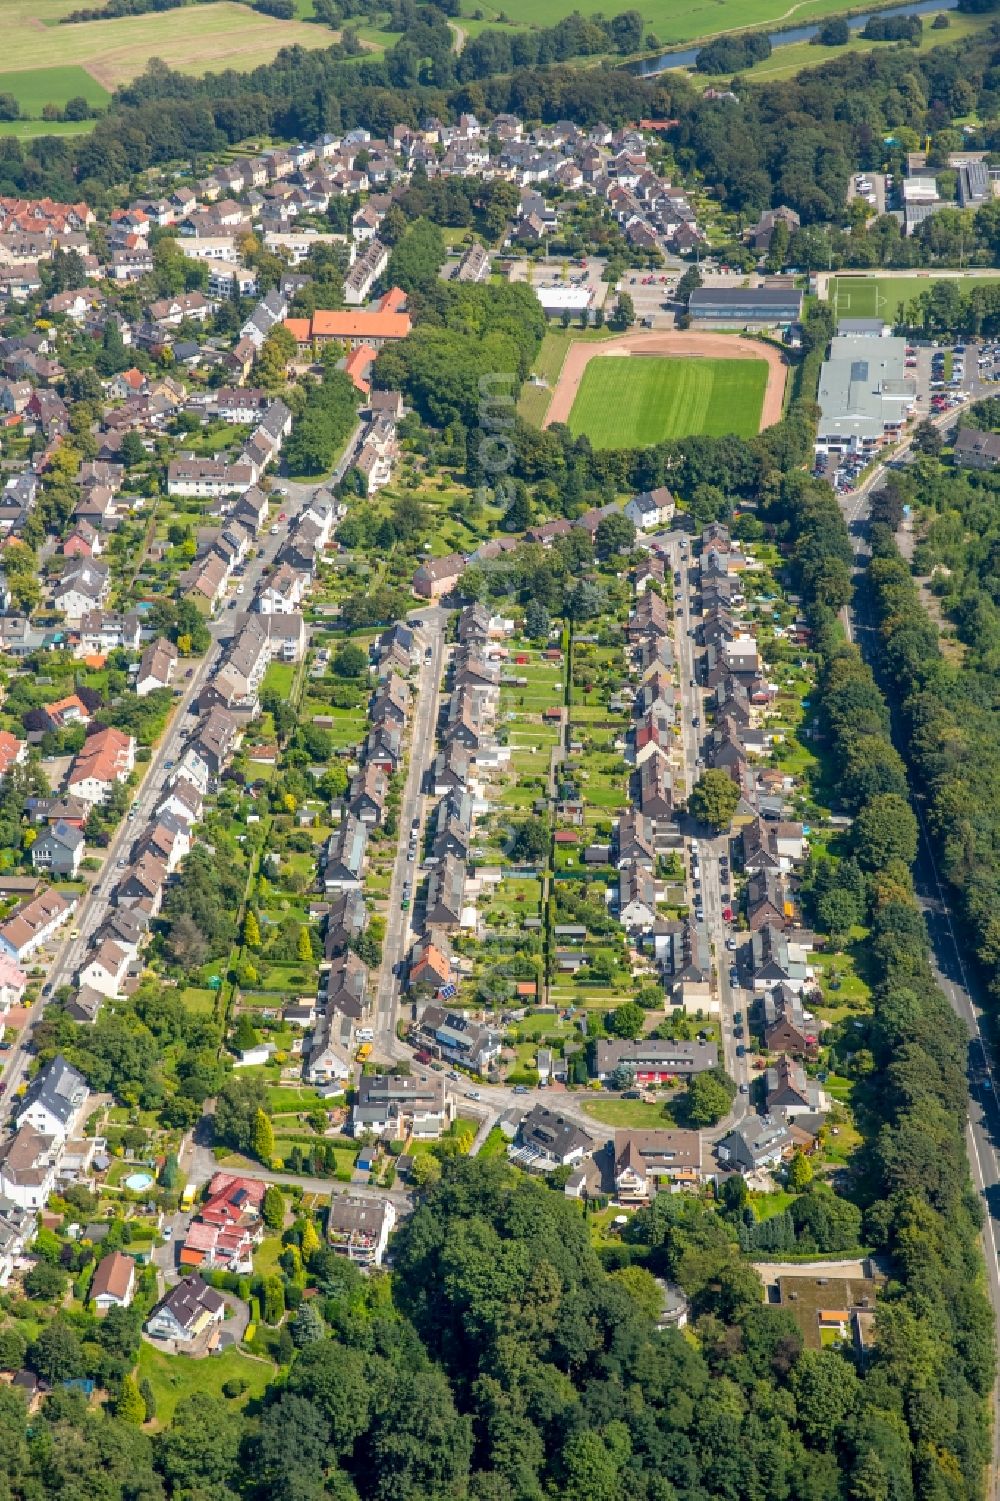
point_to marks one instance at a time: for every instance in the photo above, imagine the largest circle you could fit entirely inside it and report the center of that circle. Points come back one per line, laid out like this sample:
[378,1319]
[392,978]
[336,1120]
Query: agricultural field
[632,402]
[34,88]
[880,296]
[56,60]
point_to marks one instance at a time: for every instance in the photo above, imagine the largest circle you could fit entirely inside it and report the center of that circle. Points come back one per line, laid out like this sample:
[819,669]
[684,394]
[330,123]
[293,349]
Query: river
[685,58]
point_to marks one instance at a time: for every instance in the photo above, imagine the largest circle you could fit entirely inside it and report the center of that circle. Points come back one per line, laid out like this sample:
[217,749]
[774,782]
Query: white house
[651,509]
[55,1100]
[13,982]
[28,1165]
[105,969]
[114,1282]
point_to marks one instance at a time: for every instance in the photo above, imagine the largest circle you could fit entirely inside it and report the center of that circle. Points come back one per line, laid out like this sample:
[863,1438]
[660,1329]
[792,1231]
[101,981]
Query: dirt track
[676,342]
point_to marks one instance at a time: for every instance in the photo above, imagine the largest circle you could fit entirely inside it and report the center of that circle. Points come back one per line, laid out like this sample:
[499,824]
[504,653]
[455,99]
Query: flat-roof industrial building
[865,394]
[743,307]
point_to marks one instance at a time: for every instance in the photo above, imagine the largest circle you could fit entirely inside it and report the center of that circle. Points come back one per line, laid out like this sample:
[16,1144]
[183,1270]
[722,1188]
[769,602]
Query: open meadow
[48,63]
[670,23]
[631,402]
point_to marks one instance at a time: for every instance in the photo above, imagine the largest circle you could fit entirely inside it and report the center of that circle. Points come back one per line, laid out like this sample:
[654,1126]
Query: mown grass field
[210,37]
[786,62]
[669,22]
[880,296]
[34,88]
[628,402]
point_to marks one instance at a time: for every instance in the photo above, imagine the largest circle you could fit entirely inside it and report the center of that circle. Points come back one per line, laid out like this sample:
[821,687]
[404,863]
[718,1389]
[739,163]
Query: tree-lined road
[958,982]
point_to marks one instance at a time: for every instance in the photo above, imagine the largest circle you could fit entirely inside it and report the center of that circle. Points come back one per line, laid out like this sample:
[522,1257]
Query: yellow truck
[364,1052]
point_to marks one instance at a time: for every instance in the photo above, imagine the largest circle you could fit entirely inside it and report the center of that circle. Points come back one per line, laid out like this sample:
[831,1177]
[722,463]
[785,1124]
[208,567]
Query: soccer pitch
[880,296]
[634,401]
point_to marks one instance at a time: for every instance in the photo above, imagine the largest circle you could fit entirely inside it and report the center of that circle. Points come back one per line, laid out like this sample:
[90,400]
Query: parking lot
[651,293]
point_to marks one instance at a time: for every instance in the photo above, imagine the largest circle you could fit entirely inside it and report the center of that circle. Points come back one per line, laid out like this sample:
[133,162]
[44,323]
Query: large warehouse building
[745,307]
[865,394]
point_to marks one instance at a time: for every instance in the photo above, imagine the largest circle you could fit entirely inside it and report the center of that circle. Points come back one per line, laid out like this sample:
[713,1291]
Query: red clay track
[674,342]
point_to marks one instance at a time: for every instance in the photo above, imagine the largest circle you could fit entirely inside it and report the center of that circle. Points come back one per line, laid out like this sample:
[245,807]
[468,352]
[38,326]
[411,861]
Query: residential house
[367,795]
[346,985]
[786,1026]
[773,961]
[113,1284]
[188,1312]
[653,1061]
[789,1093]
[33,923]
[651,509]
[757,1142]
[430,964]
[58,851]
[107,758]
[29,1162]
[156,667]
[359,1228]
[106,968]
[344,855]
[17,1228]
[656,791]
[650,1162]
[636,897]
[13,983]
[346,920]
[439,576]
[228,1226]
[331,1059]
[458,1039]
[445,894]
[84,586]
[396,1106]
[546,1140]
[55,1100]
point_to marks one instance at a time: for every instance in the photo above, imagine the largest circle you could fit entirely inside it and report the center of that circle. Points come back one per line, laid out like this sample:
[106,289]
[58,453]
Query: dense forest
[948,697]
[506,1358]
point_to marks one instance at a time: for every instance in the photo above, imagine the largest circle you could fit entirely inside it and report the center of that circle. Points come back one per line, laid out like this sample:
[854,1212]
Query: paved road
[709,850]
[398,931]
[199,1164]
[959,984]
[93,906]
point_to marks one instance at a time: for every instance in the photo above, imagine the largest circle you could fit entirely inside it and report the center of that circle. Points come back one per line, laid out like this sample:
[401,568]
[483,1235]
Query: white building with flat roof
[865,394]
[563,299]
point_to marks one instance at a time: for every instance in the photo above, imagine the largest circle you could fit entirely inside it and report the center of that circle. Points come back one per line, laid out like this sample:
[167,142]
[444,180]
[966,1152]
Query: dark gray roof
[58,1088]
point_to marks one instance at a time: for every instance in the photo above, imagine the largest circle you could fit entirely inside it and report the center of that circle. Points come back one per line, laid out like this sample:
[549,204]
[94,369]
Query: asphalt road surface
[398,930]
[709,850]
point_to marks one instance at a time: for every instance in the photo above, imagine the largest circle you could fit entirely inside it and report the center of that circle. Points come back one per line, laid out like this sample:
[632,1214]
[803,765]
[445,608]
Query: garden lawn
[175,1376]
[637,1113]
[198,1001]
[635,401]
[279,678]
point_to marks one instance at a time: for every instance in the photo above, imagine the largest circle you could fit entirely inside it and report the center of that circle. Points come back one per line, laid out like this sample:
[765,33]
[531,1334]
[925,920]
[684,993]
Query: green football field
[629,402]
[880,296]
